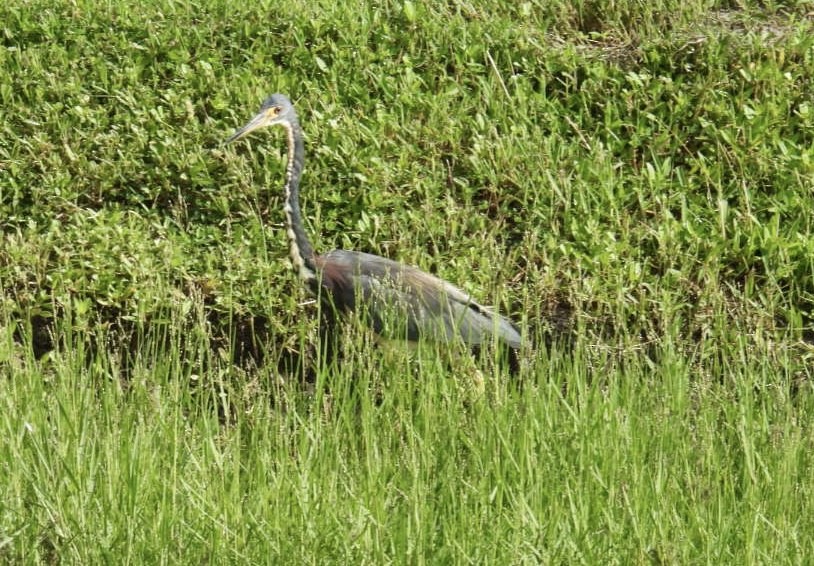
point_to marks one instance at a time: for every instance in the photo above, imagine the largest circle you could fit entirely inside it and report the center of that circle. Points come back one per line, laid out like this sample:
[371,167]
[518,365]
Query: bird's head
[276,109]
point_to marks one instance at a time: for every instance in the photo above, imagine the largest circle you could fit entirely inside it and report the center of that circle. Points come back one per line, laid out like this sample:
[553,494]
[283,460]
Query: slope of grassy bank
[631,183]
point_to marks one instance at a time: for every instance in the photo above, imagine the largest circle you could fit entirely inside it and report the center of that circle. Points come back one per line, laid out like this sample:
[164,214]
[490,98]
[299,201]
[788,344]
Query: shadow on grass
[244,344]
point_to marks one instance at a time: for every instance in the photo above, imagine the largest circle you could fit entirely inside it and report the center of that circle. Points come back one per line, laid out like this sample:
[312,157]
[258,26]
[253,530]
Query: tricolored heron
[397,300]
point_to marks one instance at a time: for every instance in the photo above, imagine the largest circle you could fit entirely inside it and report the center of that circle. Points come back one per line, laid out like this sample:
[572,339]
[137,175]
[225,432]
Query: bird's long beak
[255,123]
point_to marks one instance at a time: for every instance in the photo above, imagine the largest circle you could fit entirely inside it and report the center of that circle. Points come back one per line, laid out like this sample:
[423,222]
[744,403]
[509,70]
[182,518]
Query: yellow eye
[273,111]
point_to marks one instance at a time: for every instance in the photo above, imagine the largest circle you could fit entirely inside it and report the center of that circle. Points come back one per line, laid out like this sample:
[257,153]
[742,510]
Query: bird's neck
[302,254]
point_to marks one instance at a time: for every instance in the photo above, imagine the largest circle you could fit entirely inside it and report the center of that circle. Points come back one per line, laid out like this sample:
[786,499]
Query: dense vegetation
[631,182]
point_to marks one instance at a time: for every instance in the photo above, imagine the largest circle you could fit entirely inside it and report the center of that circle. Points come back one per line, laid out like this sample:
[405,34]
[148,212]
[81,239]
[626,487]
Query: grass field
[631,182]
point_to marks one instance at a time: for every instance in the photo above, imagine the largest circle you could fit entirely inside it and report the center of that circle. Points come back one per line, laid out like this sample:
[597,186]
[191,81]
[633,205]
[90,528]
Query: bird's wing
[404,302]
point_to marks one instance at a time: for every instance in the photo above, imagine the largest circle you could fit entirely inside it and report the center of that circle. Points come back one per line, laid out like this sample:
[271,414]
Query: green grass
[631,182]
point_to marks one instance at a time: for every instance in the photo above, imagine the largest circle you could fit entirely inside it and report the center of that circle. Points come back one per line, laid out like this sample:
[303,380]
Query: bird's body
[396,300]
[401,301]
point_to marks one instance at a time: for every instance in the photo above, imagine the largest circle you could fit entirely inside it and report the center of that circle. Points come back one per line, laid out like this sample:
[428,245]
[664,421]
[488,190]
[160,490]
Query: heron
[398,301]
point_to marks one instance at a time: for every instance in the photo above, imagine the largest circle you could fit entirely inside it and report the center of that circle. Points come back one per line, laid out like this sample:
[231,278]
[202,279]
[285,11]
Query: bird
[398,301]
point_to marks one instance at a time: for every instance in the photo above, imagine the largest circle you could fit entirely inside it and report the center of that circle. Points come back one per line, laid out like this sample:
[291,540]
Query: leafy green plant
[630,182]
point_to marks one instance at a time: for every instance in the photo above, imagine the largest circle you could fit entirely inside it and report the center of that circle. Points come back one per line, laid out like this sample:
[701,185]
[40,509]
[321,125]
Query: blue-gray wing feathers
[401,301]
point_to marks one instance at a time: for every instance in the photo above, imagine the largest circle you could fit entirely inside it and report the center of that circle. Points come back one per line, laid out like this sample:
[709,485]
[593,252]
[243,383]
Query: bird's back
[402,301]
